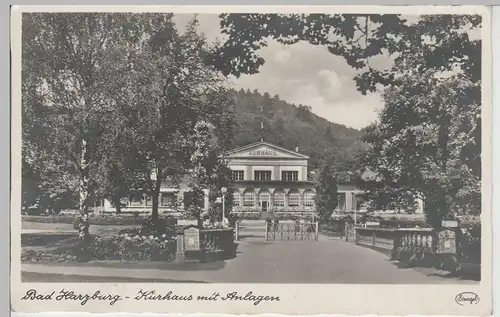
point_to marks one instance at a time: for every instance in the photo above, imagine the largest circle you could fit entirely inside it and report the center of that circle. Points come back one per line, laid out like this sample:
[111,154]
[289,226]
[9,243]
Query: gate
[292,231]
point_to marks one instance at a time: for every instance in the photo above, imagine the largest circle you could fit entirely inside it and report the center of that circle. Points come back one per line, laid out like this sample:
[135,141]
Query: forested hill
[292,126]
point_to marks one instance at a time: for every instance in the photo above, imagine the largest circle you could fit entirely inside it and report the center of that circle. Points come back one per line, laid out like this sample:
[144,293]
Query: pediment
[264,150]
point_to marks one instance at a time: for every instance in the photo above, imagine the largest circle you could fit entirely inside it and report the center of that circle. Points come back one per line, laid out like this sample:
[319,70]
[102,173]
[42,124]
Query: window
[236,199]
[262,175]
[167,199]
[249,199]
[309,198]
[291,176]
[264,195]
[279,199]
[293,199]
[238,175]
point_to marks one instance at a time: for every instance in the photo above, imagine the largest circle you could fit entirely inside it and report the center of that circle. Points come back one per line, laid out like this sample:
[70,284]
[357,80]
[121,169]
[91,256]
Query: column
[206,202]
[348,201]
[241,198]
[301,198]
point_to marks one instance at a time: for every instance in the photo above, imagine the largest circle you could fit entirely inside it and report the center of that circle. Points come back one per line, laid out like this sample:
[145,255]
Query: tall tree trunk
[83,227]
[118,204]
[154,213]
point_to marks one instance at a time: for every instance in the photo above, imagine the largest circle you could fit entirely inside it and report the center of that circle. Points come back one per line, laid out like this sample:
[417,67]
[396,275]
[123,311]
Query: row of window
[166,200]
[278,198]
[291,176]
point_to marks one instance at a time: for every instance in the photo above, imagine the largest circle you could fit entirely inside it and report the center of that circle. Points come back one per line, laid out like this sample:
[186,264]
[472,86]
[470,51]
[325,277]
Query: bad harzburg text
[145,295]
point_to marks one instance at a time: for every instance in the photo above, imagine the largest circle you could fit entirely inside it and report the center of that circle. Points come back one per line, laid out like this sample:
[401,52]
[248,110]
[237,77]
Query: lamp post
[223,191]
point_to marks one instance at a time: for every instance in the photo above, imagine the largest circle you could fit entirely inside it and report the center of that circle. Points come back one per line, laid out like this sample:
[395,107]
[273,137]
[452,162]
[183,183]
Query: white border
[295,299]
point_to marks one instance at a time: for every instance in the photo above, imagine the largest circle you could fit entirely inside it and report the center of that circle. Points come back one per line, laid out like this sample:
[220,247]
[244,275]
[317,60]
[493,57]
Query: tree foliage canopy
[427,142]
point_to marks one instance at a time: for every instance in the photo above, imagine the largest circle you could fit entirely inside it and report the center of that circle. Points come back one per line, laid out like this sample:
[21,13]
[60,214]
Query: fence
[419,247]
[292,231]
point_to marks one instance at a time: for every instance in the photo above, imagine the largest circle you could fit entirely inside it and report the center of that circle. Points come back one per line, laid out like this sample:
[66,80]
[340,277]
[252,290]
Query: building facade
[266,179]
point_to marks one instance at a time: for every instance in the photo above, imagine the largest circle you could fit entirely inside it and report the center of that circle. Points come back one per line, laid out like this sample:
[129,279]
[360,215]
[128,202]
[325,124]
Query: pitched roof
[267,144]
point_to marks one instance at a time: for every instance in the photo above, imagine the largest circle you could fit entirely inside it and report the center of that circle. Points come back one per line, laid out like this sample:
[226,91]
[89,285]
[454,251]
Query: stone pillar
[420,208]
[179,254]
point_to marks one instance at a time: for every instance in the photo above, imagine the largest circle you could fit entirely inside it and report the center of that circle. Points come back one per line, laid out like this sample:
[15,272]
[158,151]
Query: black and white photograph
[289,150]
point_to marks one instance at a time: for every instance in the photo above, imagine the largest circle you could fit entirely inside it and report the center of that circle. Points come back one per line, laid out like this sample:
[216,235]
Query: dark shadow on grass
[189,265]
[28,277]
[436,272]
[49,240]
[456,276]
[332,234]
[246,236]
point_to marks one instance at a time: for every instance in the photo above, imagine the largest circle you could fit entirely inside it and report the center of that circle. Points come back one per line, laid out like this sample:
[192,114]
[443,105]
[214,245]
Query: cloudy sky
[304,74]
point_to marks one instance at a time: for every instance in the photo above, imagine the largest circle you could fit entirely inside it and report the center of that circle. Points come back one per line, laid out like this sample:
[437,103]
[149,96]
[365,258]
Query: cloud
[282,56]
[305,74]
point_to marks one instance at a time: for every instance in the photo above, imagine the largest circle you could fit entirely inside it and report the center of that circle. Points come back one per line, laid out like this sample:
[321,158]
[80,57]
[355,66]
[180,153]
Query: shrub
[470,243]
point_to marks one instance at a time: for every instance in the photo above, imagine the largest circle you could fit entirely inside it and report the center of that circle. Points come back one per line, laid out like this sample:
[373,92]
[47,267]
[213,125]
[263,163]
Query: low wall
[417,247]
[379,239]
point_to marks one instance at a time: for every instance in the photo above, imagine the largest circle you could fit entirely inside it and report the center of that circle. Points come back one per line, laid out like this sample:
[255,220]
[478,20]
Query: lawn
[100,230]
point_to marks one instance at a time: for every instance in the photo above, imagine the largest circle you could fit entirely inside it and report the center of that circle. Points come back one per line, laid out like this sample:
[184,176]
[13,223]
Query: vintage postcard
[252,159]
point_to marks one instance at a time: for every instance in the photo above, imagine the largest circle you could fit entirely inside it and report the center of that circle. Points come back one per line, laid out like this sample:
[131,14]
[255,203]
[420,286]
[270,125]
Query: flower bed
[126,247]
[133,248]
[97,220]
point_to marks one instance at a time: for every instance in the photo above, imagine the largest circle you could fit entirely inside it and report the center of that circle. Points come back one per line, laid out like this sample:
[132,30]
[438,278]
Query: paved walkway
[328,260]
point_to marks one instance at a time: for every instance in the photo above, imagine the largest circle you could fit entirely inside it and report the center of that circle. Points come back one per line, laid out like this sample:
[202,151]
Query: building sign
[449,224]
[263,152]
[192,239]
[447,243]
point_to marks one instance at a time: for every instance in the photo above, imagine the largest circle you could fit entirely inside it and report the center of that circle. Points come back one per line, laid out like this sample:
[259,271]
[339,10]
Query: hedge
[97,220]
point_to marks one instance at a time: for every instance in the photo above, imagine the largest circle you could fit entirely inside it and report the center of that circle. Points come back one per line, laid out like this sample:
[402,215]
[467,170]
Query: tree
[356,37]
[70,67]
[434,155]
[171,92]
[427,143]
[326,189]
